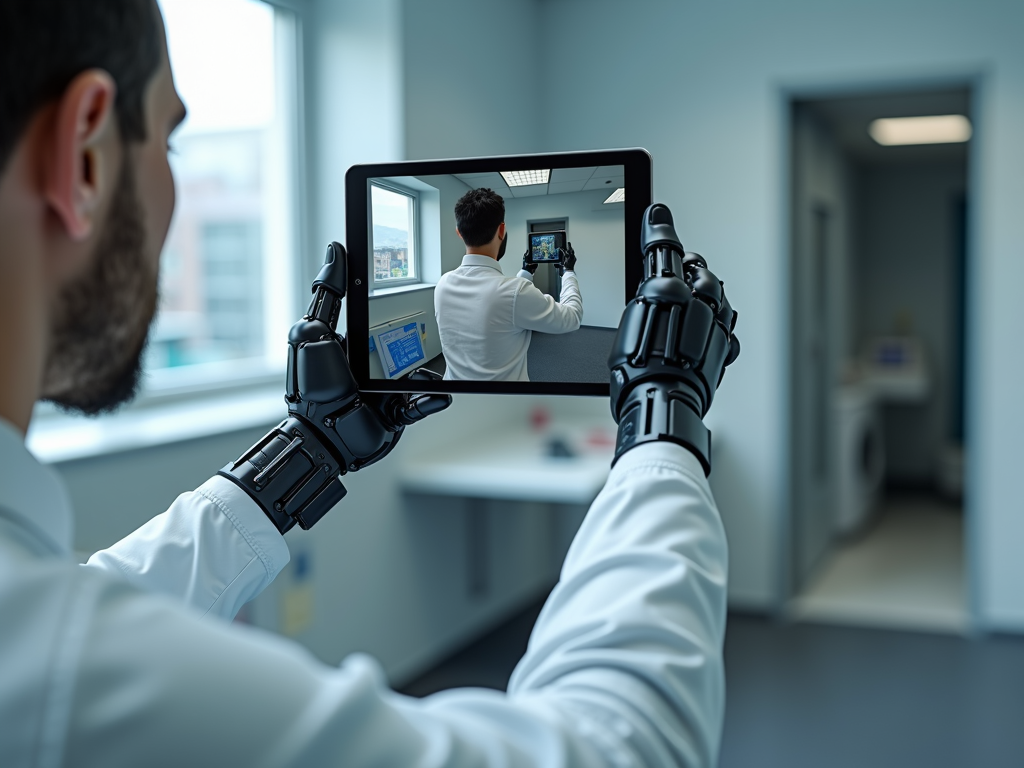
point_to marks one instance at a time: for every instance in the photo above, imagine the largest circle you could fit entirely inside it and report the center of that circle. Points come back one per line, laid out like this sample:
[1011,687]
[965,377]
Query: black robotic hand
[294,472]
[531,268]
[674,342]
[568,260]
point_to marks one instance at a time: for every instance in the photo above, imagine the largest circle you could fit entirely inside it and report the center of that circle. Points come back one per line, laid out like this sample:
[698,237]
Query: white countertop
[515,465]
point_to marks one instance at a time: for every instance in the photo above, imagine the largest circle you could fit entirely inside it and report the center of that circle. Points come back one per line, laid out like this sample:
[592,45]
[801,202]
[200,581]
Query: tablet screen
[544,247]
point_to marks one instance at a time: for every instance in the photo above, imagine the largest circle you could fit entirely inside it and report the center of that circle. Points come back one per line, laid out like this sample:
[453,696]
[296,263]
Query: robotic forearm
[674,341]
[294,472]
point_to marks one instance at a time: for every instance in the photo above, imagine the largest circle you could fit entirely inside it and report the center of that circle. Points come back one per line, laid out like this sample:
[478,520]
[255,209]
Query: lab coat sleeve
[624,667]
[631,637]
[214,549]
[534,310]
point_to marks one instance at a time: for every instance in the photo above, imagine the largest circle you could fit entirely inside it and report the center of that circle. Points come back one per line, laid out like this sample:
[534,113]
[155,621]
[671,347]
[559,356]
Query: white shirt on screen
[485,320]
[131,660]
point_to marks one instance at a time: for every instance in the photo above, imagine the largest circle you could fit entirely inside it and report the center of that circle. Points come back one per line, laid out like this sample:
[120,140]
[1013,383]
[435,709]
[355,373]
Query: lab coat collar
[479,260]
[32,495]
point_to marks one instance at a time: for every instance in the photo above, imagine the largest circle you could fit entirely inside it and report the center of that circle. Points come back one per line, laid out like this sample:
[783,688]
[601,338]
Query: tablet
[408,259]
[545,247]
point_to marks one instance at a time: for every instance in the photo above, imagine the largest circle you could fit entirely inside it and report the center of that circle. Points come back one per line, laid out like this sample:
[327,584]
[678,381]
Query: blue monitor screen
[401,349]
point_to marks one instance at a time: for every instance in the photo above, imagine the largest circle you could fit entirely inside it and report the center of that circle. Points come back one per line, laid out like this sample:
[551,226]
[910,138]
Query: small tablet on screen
[544,247]
[401,350]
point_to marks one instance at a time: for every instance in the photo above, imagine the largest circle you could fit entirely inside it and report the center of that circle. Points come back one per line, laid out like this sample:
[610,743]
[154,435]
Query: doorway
[878,255]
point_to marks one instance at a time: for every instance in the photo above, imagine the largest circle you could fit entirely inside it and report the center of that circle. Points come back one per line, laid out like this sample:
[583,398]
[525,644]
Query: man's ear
[501,231]
[458,233]
[80,151]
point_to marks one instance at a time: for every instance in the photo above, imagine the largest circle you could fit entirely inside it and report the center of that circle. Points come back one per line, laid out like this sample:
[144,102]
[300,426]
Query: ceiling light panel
[618,196]
[525,178]
[934,129]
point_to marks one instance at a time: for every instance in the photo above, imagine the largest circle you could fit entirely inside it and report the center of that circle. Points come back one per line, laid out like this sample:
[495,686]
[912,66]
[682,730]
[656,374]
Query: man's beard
[101,322]
[504,245]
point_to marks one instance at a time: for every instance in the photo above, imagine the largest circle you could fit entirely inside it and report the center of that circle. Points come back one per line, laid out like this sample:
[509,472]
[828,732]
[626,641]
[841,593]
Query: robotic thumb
[421,406]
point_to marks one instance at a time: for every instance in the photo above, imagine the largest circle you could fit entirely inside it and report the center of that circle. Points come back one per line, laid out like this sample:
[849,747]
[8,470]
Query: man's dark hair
[478,214]
[45,44]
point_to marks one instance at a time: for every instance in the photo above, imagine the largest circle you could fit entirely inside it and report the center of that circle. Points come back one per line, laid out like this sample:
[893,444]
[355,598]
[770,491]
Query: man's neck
[19,379]
[481,253]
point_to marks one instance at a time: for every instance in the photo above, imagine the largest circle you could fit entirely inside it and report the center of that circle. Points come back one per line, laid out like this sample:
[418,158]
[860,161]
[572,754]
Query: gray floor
[580,356]
[816,696]
[905,570]
[577,357]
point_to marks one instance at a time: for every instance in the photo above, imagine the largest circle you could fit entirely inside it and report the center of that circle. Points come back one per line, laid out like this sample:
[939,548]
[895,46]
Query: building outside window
[226,281]
[395,247]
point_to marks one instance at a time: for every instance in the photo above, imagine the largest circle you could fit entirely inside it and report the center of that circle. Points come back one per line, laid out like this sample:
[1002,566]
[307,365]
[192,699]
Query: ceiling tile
[609,183]
[561,187]
[572,174]
[531,190]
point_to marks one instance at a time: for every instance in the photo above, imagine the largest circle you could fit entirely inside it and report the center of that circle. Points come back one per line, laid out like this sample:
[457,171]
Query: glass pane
[392,214]
[214,268]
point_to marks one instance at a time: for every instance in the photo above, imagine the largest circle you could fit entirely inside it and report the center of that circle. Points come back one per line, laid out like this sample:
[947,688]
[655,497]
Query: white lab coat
[130,660]
[485,320]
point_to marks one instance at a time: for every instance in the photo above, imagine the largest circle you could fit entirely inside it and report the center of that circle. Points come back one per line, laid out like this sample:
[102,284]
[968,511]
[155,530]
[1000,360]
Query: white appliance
[859,455]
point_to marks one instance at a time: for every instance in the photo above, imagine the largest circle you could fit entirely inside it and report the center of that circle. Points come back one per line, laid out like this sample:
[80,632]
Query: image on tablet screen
[482,319]
[544,248]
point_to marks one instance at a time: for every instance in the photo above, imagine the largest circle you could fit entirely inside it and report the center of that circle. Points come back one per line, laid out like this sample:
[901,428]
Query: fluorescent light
[935,129]
[525,178]
[617,196]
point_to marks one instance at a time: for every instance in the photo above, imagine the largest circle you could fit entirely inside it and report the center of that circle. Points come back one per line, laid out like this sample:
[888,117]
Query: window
[228,287]
[226,282]
[393,214]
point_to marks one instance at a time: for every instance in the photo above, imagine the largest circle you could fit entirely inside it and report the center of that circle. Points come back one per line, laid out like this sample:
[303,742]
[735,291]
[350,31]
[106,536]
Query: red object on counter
[539,418]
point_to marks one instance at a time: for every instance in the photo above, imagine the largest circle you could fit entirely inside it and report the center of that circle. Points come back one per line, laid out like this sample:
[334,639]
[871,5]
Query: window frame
[383,286]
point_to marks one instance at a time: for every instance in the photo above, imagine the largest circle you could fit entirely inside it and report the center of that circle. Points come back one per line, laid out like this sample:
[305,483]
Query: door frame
[976,82]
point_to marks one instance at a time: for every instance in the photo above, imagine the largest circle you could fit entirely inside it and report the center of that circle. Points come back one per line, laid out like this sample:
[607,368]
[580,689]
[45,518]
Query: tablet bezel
[636,165]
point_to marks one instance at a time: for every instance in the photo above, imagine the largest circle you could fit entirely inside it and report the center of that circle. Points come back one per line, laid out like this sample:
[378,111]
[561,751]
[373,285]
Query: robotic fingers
[332,428]
[673,345]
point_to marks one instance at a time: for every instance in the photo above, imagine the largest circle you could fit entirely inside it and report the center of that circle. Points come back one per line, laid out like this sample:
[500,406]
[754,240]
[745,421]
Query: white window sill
[56,438]
[400,289]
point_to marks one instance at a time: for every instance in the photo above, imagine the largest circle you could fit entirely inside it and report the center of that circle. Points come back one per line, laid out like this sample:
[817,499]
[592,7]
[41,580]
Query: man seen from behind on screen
[486,319]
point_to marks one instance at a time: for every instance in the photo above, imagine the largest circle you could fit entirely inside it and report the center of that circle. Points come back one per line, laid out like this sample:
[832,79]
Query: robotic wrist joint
[291,474]
[653,412]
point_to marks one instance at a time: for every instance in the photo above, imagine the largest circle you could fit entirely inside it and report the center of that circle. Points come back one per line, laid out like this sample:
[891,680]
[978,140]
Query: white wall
[596,232]
[472,77]
[699,85]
